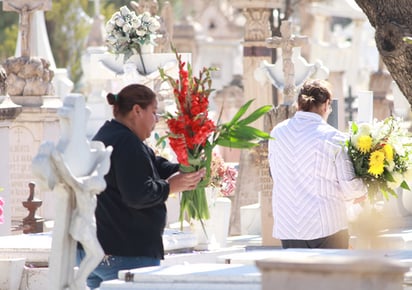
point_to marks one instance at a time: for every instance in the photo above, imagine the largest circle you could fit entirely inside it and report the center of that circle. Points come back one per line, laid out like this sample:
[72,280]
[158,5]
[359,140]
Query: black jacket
[131,211]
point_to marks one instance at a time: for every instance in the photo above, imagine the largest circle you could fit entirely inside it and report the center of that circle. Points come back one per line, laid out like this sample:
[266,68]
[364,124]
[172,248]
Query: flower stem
[141,59]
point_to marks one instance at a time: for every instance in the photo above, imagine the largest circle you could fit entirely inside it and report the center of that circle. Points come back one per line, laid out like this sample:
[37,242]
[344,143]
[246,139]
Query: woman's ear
[326,106]
[137,108]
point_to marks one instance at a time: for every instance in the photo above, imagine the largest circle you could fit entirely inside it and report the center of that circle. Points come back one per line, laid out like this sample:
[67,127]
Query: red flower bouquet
[193,135]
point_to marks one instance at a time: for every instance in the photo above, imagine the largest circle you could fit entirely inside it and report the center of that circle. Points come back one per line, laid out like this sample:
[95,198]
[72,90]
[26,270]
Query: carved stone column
[257,30]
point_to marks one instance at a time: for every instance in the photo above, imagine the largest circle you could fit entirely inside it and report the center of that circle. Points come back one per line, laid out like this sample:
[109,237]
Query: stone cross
[75,170]
[287,42]
[349,99]
[26,8]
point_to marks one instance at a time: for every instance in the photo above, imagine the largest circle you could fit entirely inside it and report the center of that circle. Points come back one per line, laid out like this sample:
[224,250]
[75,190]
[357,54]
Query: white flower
[141,31]
[118,35]
[364,129]
[110,25]
[154,25]
[124,10]
[127,27]
[126,31]
[136,22]
[120,21]
[398,180]
[145,17]
[115,16]
[407,175]
[390,166]
[111,39]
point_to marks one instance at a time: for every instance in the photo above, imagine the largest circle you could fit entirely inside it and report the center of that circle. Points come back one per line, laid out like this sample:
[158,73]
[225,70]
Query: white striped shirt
[313,178]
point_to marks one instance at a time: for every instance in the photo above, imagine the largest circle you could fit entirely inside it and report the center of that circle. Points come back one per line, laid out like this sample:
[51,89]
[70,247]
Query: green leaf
[240,113]
[405,185]
[255,115]
[392,192]
[388,176]
[187,169]
[161,140]
[235,143]
[248,133]
[354,128]
[385,194]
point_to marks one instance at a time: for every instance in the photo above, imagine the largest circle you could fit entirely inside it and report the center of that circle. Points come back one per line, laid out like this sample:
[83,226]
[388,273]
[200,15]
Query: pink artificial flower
[1,210]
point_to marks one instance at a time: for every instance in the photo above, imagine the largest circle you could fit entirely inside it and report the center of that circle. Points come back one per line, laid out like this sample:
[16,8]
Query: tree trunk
[391,20]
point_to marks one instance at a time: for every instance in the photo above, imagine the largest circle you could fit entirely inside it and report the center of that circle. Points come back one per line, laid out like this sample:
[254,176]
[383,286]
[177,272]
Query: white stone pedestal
[250,219]
[332,272]
[11,271]
[188,276]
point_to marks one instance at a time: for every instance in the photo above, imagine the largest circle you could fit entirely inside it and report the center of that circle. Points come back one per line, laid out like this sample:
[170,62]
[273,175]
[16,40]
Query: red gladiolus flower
[189,131]
[192,135]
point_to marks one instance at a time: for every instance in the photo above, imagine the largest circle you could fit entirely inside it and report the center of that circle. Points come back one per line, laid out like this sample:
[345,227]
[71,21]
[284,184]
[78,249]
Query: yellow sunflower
[388,150]
[364,143]
[376,165]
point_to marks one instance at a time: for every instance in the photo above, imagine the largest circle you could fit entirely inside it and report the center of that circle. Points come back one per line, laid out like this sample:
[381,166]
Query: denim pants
[111,265]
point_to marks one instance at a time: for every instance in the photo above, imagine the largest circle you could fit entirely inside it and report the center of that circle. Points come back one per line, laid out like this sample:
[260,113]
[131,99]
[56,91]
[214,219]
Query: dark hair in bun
[313,94]
[129,96]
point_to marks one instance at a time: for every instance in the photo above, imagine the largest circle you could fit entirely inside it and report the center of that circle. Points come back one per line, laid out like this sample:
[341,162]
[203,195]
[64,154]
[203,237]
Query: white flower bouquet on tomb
[128,32]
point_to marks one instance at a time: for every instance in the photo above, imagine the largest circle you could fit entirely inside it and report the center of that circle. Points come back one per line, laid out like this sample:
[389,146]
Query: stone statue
[75,168]
[302,71]
[25,8]
[29,76]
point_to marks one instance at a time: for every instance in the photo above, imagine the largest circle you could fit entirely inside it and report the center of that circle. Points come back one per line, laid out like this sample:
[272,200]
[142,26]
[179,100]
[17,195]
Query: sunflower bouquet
[381,156]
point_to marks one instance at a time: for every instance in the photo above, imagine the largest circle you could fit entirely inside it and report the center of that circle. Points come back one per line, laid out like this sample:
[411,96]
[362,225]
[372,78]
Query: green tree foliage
[68,25]
[8,33]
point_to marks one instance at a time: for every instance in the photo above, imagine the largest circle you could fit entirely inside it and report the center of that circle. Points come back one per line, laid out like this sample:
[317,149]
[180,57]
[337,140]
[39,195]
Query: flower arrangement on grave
[381,154]
[222,175]
[192,134]
[128,32]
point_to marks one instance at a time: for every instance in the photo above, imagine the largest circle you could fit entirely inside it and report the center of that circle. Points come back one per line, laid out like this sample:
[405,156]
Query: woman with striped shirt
[312,174]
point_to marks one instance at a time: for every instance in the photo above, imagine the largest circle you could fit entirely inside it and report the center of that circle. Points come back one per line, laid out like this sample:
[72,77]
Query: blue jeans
[111,265]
